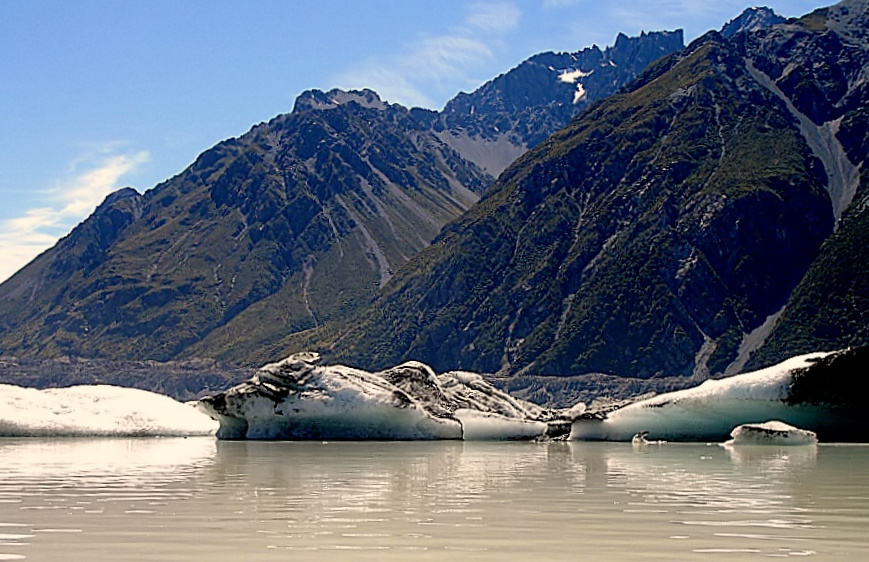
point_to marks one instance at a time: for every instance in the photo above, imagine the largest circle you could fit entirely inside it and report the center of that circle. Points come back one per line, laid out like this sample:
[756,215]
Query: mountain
[825,75]
[273,232]
[752,19]
[664,231]
[297,222]
[519,109]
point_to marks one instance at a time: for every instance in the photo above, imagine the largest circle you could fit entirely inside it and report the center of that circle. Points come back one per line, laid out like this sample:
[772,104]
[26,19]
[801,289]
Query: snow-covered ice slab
[821,392]
[96,411]
[771,433]
[297,399]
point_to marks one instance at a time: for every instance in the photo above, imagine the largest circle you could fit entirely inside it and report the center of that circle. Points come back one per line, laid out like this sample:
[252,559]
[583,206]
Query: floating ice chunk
[640,438]
[296,399]
[96,410]
[820,392]
[771,433]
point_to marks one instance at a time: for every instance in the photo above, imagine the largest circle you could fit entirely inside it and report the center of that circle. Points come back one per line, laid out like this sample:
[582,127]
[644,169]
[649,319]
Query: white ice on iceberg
[811,391]
[96,410]
[486,426]
[771,433]
[297,399]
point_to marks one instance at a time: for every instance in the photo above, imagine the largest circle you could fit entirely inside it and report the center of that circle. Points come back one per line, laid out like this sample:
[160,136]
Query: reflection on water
[197,499]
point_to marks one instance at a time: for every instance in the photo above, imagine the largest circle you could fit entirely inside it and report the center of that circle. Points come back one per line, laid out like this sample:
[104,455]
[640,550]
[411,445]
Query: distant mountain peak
[750,20]
[520,108]
[317,99]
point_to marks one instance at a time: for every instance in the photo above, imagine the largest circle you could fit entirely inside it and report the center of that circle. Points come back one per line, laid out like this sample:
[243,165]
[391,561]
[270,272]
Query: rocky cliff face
[663,231]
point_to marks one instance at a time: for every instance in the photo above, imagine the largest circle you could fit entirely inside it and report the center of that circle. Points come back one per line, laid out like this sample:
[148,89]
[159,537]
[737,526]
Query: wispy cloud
[494,17]
[433,61]
[91,178]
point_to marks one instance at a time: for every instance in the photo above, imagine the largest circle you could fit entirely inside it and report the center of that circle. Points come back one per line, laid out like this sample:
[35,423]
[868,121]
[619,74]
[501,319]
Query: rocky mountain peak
[750,20]
[113,198]
[317,99]
[658,43]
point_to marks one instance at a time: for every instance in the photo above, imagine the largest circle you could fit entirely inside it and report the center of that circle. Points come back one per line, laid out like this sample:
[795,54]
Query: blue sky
[96,95]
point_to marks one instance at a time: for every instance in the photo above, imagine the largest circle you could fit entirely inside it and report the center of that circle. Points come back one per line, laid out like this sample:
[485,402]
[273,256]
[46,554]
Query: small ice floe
[641,440]
[771,433]
[298,399]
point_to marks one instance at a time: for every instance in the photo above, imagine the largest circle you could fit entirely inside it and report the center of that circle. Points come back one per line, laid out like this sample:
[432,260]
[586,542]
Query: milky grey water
[198,499]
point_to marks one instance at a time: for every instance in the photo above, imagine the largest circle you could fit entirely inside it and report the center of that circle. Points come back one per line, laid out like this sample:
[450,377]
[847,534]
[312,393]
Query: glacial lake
[198,499]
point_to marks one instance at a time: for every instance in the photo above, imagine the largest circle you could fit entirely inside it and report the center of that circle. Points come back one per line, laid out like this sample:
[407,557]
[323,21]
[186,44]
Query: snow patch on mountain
[571,76]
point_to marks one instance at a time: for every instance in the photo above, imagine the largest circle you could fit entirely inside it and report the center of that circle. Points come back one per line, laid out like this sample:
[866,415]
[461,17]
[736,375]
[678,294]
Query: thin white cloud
[494,17]
[24,237]
[441,57]
[433,61]
[640,15]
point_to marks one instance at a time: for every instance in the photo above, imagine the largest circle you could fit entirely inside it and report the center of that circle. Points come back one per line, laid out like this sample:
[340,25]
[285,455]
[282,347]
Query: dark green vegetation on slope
[667,220]
[829,309]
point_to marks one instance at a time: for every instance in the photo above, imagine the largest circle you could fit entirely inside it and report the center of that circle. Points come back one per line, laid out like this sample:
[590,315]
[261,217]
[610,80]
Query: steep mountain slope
[660,233]
[273,232]
[293,224]
[829,309]
[826,73]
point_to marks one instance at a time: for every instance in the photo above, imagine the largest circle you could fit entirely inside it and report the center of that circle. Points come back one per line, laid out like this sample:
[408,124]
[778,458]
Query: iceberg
[822,392]
[298,399]
[97,411]
[771,433]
